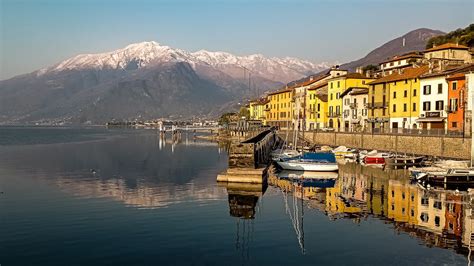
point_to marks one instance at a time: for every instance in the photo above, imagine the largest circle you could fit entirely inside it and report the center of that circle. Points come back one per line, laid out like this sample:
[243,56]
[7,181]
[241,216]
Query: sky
[39,33]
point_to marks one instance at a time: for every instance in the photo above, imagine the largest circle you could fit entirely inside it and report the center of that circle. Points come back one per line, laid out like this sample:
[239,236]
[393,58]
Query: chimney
[403,42]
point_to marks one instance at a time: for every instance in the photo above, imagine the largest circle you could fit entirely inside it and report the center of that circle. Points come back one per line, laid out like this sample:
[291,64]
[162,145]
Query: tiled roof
[449,69]
[289,89]
[355,76]
[447,46]
[318,86]
[407,73]
[455,76]
[401,57]
[355,91]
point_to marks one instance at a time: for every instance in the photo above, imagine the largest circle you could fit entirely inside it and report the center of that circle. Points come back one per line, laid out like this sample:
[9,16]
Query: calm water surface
[124,197]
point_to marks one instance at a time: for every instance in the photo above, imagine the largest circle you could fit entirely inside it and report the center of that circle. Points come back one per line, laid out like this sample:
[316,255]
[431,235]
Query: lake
[97,196]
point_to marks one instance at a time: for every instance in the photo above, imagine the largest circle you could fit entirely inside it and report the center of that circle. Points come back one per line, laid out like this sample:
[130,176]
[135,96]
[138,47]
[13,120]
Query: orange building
[456,101]
[453,215]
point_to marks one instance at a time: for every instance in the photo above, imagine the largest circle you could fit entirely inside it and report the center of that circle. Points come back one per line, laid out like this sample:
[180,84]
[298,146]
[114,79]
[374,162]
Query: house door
[395,125]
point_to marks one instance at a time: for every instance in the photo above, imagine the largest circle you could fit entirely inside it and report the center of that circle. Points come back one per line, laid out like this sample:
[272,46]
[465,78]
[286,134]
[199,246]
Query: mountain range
[149,80]
[142,81]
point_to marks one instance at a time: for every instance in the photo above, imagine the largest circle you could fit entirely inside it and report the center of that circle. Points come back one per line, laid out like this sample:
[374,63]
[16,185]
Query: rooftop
[447,46]
[407,73]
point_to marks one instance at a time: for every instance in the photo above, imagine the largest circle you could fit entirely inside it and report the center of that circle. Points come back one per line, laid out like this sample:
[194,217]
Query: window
[405,93]
[331,96]
[394,108]
[414,92]
[426,106]
[437,221]
[414,107]
[394,83]
[331,85]
[439,105]
[394,95]
[440,88]
[427,89]
[338,84]
[455,85]
[338,95]
[319,107]
[406,81]
[453,105]
[404,107]
[454,124]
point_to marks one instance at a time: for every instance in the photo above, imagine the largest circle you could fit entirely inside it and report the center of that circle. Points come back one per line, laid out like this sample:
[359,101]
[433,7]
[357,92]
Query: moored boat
[311,161]
[450,176]
[405,161]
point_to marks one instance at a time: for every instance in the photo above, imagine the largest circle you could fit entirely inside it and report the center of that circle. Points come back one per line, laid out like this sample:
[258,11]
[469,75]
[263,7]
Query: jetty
[249,159]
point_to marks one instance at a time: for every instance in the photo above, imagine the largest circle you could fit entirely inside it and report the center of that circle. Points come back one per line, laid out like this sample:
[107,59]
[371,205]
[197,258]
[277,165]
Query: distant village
[429,90]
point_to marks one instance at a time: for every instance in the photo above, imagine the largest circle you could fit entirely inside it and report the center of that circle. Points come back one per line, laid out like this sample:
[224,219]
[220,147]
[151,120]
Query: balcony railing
[333,115]
[376,105]
[353,105]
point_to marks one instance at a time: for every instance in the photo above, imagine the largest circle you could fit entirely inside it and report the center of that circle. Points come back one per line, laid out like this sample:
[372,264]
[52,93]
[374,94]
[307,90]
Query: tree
[370,68]
[244,112]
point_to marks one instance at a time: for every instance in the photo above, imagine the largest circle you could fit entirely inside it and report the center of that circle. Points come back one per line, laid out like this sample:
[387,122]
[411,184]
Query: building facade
[433,101]
[336,86]
[354,108]
[402,92]
[279,109]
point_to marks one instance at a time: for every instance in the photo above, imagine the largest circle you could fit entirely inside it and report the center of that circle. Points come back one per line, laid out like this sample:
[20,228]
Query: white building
[354,108]
[433,101]
[391,65]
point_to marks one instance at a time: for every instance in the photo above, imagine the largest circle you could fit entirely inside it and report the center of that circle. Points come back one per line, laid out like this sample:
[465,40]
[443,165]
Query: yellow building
[402,202]
[257,109]
[335,201]
[394,100]
[317,106]
[279,108]
[338,85]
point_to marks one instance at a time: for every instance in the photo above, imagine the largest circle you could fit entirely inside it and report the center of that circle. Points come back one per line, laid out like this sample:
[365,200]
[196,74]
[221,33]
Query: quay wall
[440,146]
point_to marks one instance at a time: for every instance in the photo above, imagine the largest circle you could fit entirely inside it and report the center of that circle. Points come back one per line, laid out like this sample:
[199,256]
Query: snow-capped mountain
[280,69]
[144,54]
[143,80]
[135,55]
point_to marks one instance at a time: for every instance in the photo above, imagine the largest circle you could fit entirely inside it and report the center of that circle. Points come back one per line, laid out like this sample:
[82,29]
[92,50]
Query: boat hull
[302,166]
[374,160]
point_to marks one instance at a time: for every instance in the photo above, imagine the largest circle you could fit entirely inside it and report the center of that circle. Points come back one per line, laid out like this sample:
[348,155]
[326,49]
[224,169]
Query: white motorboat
[311,161]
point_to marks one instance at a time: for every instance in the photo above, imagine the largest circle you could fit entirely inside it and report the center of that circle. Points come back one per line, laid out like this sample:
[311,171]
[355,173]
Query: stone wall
[447,147]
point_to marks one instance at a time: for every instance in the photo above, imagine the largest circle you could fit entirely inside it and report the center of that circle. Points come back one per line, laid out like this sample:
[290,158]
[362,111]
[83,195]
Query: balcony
[333,115]
[376,105]
[353,105]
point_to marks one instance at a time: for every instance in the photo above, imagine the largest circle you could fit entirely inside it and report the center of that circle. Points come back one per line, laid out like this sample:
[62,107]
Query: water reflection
[243,201]
[141,170]
[440,218]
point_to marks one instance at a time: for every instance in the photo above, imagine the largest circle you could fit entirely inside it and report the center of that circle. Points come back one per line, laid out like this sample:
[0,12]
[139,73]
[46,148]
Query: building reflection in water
[438,218]
[243,205]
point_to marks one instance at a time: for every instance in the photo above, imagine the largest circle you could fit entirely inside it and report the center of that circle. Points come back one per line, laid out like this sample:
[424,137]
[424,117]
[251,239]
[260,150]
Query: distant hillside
[462,36]
[414,41]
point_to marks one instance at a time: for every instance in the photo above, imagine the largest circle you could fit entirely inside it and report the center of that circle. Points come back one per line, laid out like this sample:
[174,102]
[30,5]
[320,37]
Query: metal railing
[397,131]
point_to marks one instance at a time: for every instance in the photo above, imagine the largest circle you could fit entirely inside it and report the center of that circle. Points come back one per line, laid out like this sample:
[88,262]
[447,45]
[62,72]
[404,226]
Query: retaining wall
[447,147]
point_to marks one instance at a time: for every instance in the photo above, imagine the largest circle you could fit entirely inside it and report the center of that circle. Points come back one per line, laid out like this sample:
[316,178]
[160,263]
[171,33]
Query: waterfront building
[456,101]
[402,201]
[317,105]
[433,101]
[303,111]
[257,109]
[279,108]
[396,97]
[354,108]
[336,86]
[432,211]
[398,62]
[454,214]
[449,53]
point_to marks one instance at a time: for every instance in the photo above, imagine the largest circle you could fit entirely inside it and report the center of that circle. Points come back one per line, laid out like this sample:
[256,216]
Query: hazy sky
[39,33]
